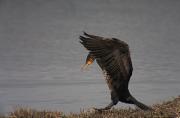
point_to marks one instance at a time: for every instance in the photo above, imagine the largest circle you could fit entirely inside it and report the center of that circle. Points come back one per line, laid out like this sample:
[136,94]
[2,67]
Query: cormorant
[113,57]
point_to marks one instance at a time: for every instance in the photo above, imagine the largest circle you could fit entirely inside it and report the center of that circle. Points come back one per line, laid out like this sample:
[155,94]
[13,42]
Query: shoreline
[170,109]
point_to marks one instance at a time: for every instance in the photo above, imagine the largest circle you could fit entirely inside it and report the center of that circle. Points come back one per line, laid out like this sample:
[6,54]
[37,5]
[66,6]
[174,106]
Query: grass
[169,109]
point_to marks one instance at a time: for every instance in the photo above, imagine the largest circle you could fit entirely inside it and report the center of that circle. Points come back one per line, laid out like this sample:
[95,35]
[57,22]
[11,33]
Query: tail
[140,105]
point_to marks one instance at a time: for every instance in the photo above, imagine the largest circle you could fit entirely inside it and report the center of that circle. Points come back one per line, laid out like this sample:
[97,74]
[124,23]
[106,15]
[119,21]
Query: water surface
[40,54]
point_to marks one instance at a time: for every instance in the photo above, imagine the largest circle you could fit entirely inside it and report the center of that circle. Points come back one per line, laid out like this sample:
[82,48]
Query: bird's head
[89,60]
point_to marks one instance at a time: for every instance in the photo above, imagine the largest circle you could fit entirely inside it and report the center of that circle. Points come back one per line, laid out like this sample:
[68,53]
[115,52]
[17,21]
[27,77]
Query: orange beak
[85,66]
[90,59]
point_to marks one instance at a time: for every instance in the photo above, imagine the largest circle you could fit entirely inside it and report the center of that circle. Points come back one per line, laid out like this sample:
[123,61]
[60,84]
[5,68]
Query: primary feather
[112,53]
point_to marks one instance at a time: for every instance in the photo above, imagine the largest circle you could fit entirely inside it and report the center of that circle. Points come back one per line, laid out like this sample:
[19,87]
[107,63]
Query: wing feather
[113,55]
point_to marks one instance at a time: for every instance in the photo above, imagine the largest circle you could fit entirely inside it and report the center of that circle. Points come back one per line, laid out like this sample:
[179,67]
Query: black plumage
[113,56]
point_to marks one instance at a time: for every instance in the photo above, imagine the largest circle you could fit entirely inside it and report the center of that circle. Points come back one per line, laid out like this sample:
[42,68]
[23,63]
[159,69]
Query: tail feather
[140,105]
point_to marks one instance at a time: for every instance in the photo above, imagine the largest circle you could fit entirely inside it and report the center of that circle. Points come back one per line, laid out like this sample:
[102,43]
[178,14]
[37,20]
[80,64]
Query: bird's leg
[109,106]
[114,101]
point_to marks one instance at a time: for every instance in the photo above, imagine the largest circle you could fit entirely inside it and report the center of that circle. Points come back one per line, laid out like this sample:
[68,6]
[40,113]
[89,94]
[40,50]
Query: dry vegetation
[170,109]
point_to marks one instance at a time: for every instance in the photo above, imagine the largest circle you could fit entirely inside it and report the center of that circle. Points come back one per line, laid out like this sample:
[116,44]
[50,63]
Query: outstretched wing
[113,54]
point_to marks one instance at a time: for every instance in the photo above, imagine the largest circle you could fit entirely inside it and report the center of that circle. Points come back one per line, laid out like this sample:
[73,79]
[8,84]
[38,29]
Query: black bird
[113,56]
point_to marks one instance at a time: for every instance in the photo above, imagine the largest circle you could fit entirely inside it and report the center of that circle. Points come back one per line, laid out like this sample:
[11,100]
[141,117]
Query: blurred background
[41,57]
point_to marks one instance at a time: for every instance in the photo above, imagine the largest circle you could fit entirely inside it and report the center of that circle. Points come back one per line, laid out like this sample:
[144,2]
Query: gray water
[40,54]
